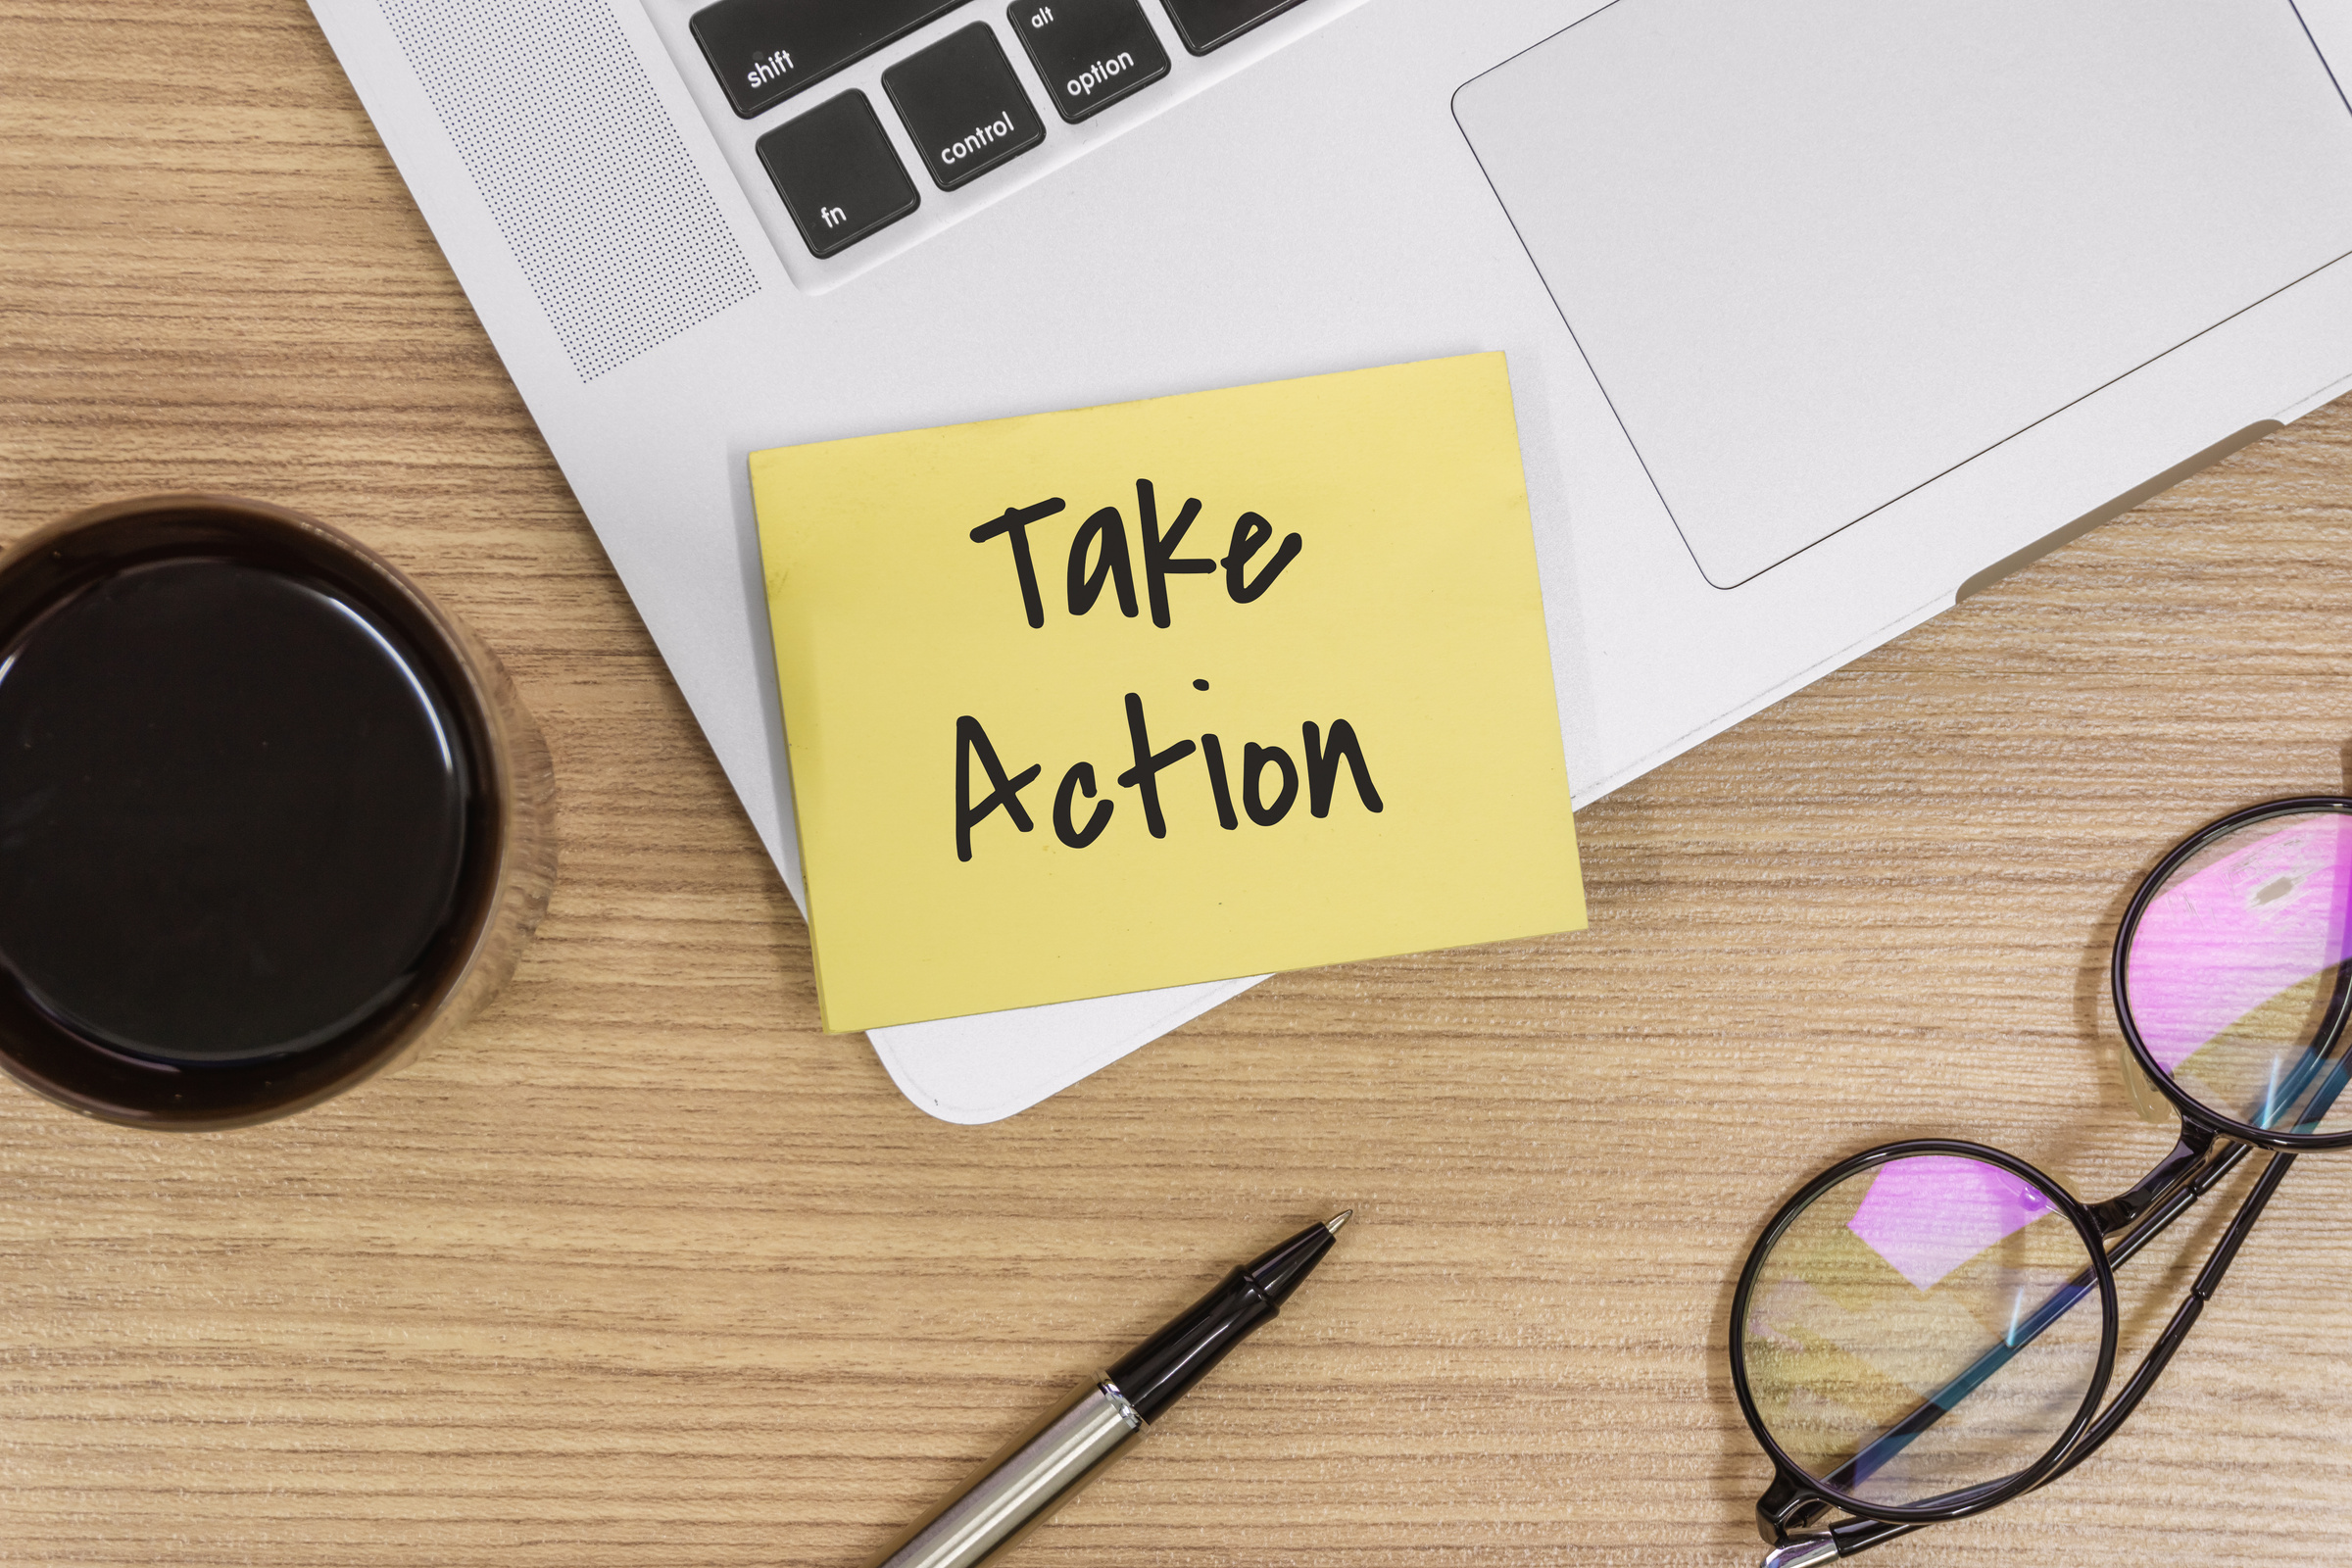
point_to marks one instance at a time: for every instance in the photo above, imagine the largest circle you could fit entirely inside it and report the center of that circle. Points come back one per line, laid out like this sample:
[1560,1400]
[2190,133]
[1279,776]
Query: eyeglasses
[1928,1329]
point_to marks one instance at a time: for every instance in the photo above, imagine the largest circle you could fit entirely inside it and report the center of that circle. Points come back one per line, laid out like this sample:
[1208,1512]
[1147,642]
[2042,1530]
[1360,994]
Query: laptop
[1820,315]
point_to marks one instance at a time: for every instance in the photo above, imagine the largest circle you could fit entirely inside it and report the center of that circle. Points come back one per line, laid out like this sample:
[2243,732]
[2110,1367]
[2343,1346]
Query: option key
[1090,53]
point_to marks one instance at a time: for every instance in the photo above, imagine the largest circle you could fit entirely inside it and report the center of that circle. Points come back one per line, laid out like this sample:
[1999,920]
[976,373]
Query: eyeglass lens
[1912,1333]
[2236,976]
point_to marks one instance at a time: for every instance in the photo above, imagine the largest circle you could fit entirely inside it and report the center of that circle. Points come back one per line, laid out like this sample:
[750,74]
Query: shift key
[763,51]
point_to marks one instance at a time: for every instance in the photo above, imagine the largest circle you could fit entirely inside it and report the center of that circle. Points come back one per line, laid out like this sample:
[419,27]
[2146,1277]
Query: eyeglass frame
[2208,1148]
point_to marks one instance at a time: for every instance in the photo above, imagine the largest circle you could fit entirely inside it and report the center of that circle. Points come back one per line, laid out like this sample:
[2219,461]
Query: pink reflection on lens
[1928,1215]
[2214,946]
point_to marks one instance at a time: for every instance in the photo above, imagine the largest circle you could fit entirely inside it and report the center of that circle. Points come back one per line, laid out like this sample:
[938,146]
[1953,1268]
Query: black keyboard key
[963,107]
[835,170]
[1204,24]
[1089,53]
[763,51]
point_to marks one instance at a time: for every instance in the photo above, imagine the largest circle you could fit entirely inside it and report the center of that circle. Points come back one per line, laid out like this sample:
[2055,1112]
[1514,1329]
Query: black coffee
[233,811]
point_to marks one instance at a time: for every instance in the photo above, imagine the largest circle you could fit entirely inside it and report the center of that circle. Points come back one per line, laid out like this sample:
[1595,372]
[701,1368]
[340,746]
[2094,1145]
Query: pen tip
[1334,1223]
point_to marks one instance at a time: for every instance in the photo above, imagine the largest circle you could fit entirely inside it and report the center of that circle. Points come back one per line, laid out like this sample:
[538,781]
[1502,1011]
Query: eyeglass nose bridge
[2119,1211]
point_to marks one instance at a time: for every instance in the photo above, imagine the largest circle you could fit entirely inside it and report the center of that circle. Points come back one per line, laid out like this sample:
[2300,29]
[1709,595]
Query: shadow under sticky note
[1087,703]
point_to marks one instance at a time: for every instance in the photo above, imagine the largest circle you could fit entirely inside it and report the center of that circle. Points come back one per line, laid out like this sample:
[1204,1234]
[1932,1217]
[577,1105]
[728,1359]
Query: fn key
[838,176]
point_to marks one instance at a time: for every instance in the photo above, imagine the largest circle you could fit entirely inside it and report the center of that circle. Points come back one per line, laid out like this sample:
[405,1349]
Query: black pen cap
[1160,1371]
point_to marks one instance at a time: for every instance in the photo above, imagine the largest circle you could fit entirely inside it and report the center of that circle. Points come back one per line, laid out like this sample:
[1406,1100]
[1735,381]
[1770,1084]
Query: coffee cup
[271,822]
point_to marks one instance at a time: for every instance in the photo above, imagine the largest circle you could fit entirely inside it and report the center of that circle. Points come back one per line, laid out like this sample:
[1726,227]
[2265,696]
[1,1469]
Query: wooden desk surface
[646,1270]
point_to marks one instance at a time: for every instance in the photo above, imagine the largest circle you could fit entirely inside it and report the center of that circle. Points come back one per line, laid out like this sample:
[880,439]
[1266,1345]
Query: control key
[963,107]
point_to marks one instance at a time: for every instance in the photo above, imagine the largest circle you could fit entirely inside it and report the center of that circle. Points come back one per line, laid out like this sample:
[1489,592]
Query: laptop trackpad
[1818,252]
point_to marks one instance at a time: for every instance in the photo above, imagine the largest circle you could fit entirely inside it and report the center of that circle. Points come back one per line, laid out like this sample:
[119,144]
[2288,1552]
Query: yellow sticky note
[1170,691]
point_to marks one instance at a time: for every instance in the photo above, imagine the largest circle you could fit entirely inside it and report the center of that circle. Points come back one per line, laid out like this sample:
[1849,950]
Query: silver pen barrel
[1020,1488]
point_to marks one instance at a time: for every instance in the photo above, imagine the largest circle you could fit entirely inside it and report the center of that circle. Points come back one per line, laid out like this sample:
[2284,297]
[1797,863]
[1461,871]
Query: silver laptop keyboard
[963,107]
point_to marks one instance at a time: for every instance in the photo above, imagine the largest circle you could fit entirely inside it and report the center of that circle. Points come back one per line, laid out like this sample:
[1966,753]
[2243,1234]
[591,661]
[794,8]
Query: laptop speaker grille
[582,168]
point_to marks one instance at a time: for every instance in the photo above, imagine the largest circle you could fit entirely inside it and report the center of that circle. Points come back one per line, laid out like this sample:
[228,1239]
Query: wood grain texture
[646,1270]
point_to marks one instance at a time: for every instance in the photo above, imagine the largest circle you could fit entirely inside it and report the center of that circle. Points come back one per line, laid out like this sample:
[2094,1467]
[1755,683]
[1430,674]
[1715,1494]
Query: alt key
[1090,53]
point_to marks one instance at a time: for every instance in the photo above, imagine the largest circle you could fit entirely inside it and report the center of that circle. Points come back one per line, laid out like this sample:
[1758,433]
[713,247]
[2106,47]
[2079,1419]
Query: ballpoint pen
[1049,1464]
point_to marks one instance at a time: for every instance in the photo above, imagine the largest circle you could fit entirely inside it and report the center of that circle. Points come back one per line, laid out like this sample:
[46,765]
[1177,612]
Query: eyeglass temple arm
[1860,1535]
[2208,1281]
[2324,1081]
